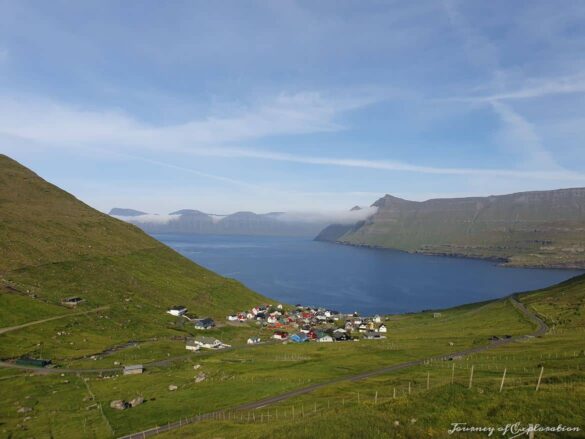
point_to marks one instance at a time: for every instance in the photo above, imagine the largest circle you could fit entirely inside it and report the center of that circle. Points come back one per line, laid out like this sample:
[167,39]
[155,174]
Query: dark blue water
[299,270]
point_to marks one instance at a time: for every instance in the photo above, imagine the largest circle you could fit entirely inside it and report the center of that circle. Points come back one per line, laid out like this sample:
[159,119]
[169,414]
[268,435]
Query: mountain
[117,211]
[541,229]
[53,246]
[189,221]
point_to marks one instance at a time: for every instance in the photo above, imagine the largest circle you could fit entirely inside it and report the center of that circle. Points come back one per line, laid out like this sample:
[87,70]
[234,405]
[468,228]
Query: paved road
[540,330]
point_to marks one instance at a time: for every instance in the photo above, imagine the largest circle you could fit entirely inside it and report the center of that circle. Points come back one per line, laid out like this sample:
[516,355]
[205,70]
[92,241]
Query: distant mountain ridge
[541,228]
[190,221]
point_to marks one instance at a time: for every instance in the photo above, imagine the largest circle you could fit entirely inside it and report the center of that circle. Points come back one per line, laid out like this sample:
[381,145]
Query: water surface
[299,270]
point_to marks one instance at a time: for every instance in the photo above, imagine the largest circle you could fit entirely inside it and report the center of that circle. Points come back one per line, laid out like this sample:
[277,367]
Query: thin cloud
[285,114]
[56,125]
[399,166]
[538,89]
[521,135]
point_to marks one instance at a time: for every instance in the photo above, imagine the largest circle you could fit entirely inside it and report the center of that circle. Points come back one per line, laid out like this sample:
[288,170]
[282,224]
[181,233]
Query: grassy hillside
[541,229]
[54,246]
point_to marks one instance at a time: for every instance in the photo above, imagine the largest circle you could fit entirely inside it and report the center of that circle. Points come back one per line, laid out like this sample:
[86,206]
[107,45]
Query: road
[52,370]
[38,322]
[540,330]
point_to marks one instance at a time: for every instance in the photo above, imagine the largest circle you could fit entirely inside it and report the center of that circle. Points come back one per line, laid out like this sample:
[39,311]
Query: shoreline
[499,261]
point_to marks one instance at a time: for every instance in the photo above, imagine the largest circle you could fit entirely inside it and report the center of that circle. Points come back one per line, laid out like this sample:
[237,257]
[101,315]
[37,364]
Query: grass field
[248,374]
[424,401]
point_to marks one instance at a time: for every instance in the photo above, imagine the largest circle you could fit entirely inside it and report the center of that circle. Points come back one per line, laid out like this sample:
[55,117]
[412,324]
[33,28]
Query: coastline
[499,261]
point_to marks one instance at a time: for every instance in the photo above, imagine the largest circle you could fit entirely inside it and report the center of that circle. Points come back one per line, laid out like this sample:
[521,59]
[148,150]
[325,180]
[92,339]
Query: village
[298,324]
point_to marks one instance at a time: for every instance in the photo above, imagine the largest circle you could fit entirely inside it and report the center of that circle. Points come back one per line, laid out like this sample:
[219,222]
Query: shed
[72,301]
[177,310]
[133,369]
[35,362]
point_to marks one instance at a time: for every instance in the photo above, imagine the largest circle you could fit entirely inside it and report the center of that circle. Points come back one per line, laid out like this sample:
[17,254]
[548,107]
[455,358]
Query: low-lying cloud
[149,218]
[329,217]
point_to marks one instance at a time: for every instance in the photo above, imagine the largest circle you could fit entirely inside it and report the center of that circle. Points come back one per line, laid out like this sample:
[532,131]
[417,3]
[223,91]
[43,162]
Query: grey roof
[207,340]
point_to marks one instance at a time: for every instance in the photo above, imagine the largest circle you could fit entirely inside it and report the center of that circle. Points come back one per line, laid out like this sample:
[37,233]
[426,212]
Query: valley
[123,289]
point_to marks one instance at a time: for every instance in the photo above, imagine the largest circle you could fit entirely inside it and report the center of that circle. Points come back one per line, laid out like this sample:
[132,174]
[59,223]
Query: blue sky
[292,105]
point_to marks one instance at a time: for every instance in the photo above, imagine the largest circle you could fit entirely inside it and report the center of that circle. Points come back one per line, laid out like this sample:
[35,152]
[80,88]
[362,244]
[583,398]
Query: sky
[292,105]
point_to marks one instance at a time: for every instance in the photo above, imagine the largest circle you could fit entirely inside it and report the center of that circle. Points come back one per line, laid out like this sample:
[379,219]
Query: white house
[232,317]
[382,328]
[325,339]
[377,319]
[177,310]
[272,319]
[279,306]
[209,343]
[254,340]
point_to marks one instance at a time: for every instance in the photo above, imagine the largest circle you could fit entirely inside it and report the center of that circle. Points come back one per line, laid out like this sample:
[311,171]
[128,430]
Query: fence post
[409,387]
[453,373]
[376,398]
[539,378]
[471,377]
[503,378]
[428,380]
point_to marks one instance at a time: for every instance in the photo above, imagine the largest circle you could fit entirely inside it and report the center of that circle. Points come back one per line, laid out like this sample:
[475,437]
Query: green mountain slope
[53,246]
[39,223]
[544,229]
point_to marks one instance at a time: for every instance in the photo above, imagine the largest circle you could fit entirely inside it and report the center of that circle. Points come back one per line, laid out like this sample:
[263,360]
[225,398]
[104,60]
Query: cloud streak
[57,125]
[537,88]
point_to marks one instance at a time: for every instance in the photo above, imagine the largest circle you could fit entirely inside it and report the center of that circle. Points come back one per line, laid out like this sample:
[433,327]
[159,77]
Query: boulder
[24,410]
[118,404]
[200,377]
[172,387]
[136,401]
